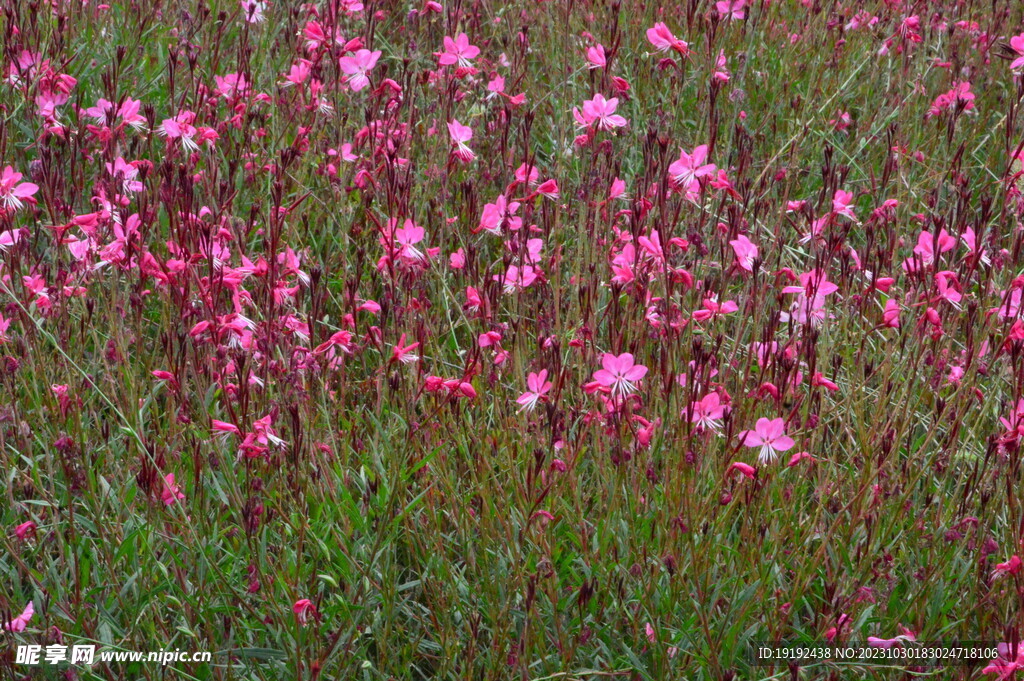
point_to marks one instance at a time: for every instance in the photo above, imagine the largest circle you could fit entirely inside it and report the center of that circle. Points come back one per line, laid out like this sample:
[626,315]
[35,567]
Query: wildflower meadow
[511,339]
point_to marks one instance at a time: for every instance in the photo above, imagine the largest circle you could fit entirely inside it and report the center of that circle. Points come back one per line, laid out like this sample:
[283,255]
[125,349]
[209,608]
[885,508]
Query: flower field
[534,340]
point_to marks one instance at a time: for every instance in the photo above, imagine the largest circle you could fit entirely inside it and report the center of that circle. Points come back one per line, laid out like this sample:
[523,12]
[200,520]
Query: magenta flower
[517,278]
[663,40]
[907,635]
[744,469]
[731,10]
[253,10]
[13,190]
[746,252]
[19,623]
[708,412]
[304,609]
[891,314]
[596,58]
[461,134]
[548,189]
[358,66]
[691,167]
[405,239]
[958,97]
[813,283]
[600,113]
[457,260]
[712,308]
[171,493]
[1010,567]
[8,238]
[970,240]
[458,51]
[929,247]
[404,353]
[770,436]
[496,215]
[800,456]
[23,530]
[180,128]
[1009,661]
[1017,45]
[842,204]
[537,387]
[619,374]
[128,175]
[128,112]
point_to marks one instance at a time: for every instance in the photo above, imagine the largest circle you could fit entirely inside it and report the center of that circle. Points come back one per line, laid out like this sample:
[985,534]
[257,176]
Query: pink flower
[252,11]
[841,204]
[690,167]
[171,493]
[404,353]
[457,259]
[813,283]
[731,9]
[746,252]
[298,73]
[405,239]
[1008,663]
[489,339]
[537,387]
[128,175]
[746,470]
[819,379]
[798,457]
[1017,45]
[891,314]
[619,374]
[357,66]
[928,247]
[806,309]
[9,238]
[180,127]
[841,621]
[19,623]
[617,190]
[663,40]
[548,189]
[496,215]
[946,283]
[712,308]
[461,134]
[264,433]
[599,112]
[517,278]
[708,412]
[303,609]
[970,239]
[959,97]
[128,112]
[722,74]
[1010,567]
[907,635]
[12,190]
[596,58]
[770,436]
[25,529]
[224,428]
[528,175]
[1010,304]
[458,51]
